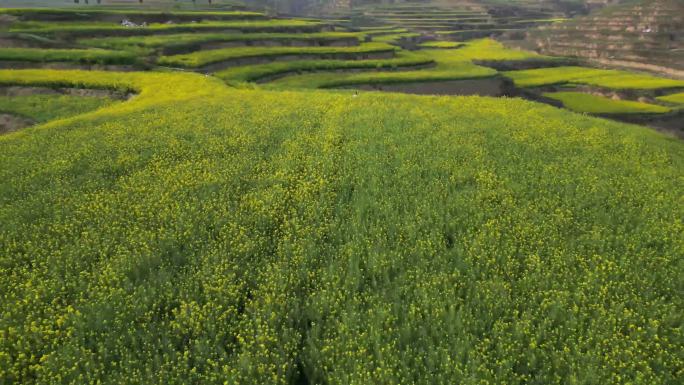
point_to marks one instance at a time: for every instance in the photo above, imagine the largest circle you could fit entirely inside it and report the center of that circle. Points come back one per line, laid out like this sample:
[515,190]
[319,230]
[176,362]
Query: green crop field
[191,226]
[581,102]
[456,71]
[450,65]
[43,108]
[391,38]
[257,72]
[88,28]
[190,39]
[199,233]
[674,98]
[441,44]
[99,56]
[592,76]
[201,58]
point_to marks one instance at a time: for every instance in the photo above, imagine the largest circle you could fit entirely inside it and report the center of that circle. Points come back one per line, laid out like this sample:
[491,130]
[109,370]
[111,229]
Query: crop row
[191,39]
[451,64]
[90,28]
[582,102]
[201,58]
[100,56]
[591,76]
[251,73]
[677,98]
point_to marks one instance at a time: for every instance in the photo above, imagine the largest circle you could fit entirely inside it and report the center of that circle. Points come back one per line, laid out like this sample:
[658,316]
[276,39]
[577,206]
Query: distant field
[441,44]
[188,39]
[450,65]
[260,71]
[581,102]
[84,28]
[201,58]
[592,76]
[66,55]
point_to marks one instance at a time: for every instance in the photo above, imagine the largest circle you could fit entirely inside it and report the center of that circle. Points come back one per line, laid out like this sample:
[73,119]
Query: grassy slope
[592,76]
[593,104]
[202,234]
[42,108]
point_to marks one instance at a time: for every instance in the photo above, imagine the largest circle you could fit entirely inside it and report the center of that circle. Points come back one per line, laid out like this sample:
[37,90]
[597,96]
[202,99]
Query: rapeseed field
[197,233]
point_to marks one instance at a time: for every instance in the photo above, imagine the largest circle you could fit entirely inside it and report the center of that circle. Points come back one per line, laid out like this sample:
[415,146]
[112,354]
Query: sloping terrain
[648,35]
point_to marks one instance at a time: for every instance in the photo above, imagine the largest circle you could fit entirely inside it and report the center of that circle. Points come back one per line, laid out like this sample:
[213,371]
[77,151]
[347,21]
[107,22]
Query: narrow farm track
[197,233]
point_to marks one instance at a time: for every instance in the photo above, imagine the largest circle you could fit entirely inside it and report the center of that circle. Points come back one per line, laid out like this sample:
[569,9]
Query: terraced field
[205,213]
[592,76]
[470,20]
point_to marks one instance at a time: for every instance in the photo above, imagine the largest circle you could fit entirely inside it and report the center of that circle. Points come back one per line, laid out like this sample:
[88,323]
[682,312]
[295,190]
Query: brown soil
[10,123]
[672,123]
[85,92]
